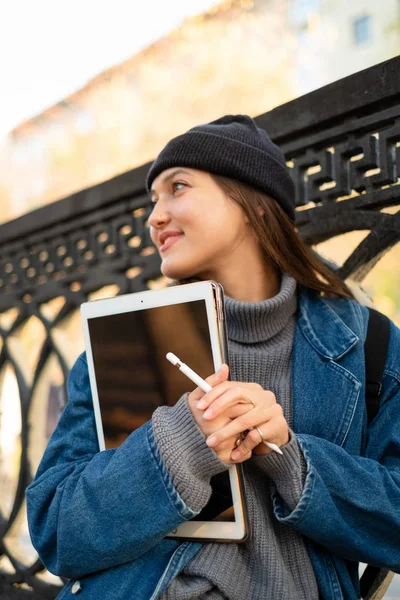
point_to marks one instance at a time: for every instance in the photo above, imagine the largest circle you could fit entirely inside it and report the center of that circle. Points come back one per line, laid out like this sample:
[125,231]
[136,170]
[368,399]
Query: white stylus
[203,385]
[206,387]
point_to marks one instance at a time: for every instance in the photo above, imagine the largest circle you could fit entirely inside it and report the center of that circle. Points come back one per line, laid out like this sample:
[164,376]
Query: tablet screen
[134,377]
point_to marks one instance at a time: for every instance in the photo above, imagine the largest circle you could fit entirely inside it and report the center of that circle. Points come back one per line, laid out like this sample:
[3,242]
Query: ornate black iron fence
[343,145]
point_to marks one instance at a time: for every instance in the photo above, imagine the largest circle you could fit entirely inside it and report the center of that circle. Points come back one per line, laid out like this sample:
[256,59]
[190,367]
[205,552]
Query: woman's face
[198,231]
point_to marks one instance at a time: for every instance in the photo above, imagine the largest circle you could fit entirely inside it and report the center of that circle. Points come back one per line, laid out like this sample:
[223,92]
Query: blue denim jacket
[101,517]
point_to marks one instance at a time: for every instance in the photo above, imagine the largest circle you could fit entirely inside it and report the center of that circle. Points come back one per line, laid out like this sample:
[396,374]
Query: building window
[301,10]
[362,30]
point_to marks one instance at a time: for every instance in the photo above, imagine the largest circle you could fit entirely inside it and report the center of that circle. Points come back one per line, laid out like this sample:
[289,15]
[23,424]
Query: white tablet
[127,339]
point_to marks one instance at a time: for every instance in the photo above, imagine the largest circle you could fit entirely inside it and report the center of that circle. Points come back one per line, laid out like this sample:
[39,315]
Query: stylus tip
[172,358]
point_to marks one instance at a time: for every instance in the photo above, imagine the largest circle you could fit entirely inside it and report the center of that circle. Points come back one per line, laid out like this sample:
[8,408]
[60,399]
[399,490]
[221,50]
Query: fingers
[242,452]
[219,399]
[238,394]
[249,420]
[225,397]
[237,411]
[276,431]
[251,440]
[213,394]
[224,451]
[219,377]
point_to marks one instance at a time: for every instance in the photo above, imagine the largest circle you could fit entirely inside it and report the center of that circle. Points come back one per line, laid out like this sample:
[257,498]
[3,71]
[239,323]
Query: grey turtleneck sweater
[273,564]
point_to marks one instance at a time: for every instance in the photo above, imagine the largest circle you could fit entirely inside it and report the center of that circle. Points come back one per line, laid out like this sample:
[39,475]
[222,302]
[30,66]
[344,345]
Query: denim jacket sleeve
[91,510]
[351,504]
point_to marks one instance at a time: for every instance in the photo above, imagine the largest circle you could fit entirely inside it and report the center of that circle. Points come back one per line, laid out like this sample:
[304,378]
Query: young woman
[224,210]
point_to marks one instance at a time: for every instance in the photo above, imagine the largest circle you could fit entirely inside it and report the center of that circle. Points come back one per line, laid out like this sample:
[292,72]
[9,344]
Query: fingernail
[201,404]
[211,441]
[236,454]
[208,414]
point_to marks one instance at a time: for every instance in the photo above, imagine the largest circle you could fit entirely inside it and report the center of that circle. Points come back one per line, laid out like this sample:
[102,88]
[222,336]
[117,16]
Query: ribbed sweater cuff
[188,459]
[287,471]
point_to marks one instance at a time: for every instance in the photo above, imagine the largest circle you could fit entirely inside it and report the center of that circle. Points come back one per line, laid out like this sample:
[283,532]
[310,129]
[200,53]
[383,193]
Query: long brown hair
[280,242]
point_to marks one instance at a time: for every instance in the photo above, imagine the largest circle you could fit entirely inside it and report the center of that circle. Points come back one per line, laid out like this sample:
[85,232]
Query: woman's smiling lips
[171,239]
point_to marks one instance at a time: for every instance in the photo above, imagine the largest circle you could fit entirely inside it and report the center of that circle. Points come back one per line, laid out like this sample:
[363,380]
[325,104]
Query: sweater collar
[251,322]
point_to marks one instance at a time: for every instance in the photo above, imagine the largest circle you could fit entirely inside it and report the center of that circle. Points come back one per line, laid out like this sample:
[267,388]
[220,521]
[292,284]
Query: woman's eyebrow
[171,175]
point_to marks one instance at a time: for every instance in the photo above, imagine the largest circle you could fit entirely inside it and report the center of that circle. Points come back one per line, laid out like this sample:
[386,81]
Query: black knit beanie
[235,147]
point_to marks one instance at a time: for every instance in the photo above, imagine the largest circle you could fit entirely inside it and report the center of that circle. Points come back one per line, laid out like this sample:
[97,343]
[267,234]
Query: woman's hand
[208,427]
[245,407]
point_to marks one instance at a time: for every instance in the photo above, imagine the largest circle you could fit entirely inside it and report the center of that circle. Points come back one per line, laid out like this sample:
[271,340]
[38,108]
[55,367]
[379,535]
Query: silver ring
[262,438]
[261,435]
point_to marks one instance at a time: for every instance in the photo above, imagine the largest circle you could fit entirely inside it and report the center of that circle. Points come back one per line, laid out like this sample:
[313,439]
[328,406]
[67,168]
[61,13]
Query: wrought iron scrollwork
[344,180]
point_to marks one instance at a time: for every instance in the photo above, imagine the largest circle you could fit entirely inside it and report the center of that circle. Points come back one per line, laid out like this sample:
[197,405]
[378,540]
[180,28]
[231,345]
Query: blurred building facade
[215,63]
[335,38]
[240,56]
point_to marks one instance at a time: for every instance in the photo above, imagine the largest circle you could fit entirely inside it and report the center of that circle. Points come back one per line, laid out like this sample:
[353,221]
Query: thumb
[221,375]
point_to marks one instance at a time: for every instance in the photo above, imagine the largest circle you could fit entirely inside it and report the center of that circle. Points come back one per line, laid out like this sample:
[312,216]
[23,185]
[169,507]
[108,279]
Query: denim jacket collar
[328,369]
[331,342]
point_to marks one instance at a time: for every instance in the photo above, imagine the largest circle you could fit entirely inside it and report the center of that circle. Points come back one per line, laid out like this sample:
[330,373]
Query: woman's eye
[176,184]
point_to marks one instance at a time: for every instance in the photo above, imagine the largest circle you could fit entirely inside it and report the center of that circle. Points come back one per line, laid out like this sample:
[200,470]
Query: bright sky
[49,48]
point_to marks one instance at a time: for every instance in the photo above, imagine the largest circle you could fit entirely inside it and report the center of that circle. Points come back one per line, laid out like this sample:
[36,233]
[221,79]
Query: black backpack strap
[374,579]
[375,350]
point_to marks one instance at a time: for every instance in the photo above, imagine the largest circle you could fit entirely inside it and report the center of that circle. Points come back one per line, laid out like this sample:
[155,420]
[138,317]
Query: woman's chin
[178,272]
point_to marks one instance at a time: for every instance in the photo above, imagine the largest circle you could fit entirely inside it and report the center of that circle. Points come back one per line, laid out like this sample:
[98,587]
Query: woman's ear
[260,212]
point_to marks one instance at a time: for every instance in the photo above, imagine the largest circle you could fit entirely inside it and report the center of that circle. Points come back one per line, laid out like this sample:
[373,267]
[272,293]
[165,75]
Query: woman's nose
[158,218]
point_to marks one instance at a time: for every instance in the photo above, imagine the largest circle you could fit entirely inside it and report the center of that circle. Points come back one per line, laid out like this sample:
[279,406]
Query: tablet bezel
[212,293]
